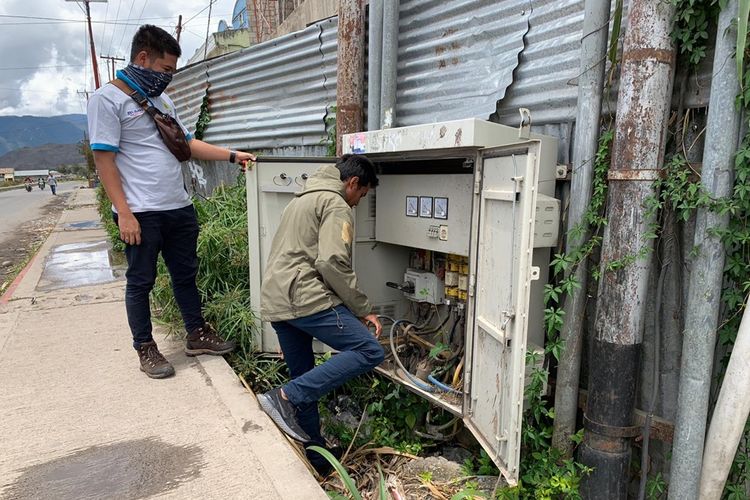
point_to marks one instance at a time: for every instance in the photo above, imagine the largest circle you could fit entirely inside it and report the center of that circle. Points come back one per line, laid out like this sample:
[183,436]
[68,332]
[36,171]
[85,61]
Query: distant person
[27,182]
[40,182]
[52,183]
[143,179]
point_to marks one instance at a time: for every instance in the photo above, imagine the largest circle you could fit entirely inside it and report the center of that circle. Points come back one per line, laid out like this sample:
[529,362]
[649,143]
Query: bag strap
[139,98]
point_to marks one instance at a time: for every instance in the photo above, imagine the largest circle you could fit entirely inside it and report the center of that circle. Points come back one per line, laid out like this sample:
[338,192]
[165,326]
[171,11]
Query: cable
[419,383]
[441,385]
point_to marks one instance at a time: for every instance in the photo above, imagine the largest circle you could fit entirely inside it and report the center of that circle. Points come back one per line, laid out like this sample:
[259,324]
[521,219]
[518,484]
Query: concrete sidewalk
[79,420]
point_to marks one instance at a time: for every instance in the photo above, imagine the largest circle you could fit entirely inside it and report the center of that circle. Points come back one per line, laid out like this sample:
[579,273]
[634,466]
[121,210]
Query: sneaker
[283,413]
[321,465]
[205,340]
[153,363]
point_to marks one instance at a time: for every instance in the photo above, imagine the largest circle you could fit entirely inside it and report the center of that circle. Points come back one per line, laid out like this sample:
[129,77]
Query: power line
[117,17]
[44,67]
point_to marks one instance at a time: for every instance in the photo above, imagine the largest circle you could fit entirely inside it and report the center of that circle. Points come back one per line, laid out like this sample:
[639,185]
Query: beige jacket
[309,268]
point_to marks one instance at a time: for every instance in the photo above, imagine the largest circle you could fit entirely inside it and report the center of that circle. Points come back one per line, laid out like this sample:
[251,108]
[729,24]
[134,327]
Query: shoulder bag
[169,130]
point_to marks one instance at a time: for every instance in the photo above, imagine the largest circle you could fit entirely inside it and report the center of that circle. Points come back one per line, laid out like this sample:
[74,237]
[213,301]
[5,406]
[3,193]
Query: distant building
[253,21]
[6,174]
[34,174]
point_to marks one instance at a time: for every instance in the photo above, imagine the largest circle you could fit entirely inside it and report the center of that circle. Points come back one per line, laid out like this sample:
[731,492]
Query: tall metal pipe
[390,60]
[374,63]
[643,107]
[350,69]
[590,85]
[729,418]
[704,292]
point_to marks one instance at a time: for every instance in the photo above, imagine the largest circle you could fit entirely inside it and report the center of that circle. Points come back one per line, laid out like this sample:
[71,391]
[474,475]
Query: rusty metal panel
[546,79]
[273,95]
[187,91]
[455,59]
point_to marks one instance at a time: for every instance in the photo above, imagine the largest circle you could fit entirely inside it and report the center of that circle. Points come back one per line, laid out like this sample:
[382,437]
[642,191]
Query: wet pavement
[140,468]
[79,420]
[83,225]
[78,264]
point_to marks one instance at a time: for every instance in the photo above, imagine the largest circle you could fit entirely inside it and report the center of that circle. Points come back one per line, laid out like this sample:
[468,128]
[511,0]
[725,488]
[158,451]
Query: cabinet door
[501,252]
[271,185]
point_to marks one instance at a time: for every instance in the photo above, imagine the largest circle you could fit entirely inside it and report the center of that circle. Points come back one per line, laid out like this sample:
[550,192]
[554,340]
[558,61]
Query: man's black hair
[358,166]
[155,41]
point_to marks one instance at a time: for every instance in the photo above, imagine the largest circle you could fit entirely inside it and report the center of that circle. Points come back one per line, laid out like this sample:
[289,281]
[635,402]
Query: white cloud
[32,87]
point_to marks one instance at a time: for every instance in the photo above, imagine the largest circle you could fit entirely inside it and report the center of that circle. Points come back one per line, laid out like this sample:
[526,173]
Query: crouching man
[310,292]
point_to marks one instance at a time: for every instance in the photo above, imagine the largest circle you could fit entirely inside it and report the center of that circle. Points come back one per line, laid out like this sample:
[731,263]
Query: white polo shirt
[151,175]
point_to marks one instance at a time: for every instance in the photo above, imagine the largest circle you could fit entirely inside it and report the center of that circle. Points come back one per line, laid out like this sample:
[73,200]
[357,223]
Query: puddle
[83,225]
[127,470]
[79,264]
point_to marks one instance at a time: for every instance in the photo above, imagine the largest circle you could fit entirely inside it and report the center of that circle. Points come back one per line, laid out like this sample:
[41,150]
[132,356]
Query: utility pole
[91,38]
[350,69]
[112,59]
[643,106]
[179,28]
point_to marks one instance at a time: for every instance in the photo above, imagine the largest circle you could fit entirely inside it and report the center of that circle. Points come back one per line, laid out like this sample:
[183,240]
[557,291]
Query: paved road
[17,206]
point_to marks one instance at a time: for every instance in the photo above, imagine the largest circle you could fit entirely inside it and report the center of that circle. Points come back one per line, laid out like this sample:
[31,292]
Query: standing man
[310,291]
[52,183]
[151,207]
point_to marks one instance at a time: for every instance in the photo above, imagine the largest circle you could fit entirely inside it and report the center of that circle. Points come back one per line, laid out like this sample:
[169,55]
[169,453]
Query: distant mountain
[40,157]
[30,131]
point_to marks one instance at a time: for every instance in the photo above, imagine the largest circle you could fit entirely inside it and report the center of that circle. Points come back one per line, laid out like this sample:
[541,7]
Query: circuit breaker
[455,242]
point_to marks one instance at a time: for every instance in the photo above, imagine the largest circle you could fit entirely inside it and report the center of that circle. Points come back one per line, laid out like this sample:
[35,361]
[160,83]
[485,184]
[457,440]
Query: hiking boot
[205,340]
[153,363]
[283,413]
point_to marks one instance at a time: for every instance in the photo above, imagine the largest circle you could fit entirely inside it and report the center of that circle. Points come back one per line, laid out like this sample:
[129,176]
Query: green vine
[691,26]
[330,124]
[204,118]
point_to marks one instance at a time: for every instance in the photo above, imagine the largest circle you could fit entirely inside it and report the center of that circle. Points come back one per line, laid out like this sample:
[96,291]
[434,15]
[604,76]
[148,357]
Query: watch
[232,156]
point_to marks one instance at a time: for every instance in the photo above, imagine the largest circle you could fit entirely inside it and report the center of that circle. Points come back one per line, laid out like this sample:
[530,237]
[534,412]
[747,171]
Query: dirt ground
[29,236]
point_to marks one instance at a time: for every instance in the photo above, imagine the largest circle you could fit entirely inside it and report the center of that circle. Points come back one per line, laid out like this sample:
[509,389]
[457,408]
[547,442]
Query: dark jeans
[174,233]
[359,352]
[53,187]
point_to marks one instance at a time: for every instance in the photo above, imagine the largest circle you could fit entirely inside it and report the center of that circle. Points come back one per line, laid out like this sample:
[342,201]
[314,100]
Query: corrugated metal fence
[458,59]
[272,95]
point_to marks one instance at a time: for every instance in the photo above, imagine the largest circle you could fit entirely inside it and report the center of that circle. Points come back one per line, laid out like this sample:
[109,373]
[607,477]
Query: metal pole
[704,292]
[350,69]
[93,49]
[637,156]
[729,418]
[390,60]
[179,28]
[590,84]
[374,64]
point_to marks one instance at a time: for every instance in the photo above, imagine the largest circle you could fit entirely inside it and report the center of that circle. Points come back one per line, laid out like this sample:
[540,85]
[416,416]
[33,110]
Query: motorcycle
[28,187]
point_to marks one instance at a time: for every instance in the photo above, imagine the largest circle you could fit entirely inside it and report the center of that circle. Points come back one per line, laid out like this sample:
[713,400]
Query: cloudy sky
[45,52]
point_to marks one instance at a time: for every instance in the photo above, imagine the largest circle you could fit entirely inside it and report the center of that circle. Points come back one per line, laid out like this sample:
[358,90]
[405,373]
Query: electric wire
[419,383]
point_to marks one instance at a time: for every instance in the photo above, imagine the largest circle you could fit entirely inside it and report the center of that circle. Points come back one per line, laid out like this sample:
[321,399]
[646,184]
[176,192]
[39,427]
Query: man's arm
[205,151]
[130,229]
[334,262]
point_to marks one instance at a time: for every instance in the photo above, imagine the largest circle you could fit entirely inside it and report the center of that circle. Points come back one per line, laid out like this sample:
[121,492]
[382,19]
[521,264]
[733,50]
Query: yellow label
[347,233]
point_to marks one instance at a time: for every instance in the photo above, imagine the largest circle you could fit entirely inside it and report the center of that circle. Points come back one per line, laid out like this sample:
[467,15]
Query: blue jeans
[359,352]
[174,233]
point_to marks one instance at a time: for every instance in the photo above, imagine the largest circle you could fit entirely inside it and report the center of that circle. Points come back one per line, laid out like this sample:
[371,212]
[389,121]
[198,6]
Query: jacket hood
[326,178]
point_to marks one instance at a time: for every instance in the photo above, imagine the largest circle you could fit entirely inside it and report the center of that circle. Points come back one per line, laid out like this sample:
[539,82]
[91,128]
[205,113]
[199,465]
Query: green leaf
[744,12]
[345,478]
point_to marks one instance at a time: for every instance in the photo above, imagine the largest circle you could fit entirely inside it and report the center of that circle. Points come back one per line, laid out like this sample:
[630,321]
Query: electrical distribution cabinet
[458,230]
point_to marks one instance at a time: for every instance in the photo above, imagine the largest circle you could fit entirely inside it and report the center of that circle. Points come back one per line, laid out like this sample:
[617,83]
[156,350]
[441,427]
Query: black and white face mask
[151,82]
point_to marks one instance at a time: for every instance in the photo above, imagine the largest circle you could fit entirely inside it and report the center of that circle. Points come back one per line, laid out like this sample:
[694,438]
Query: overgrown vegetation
[204,118]
[105,213]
